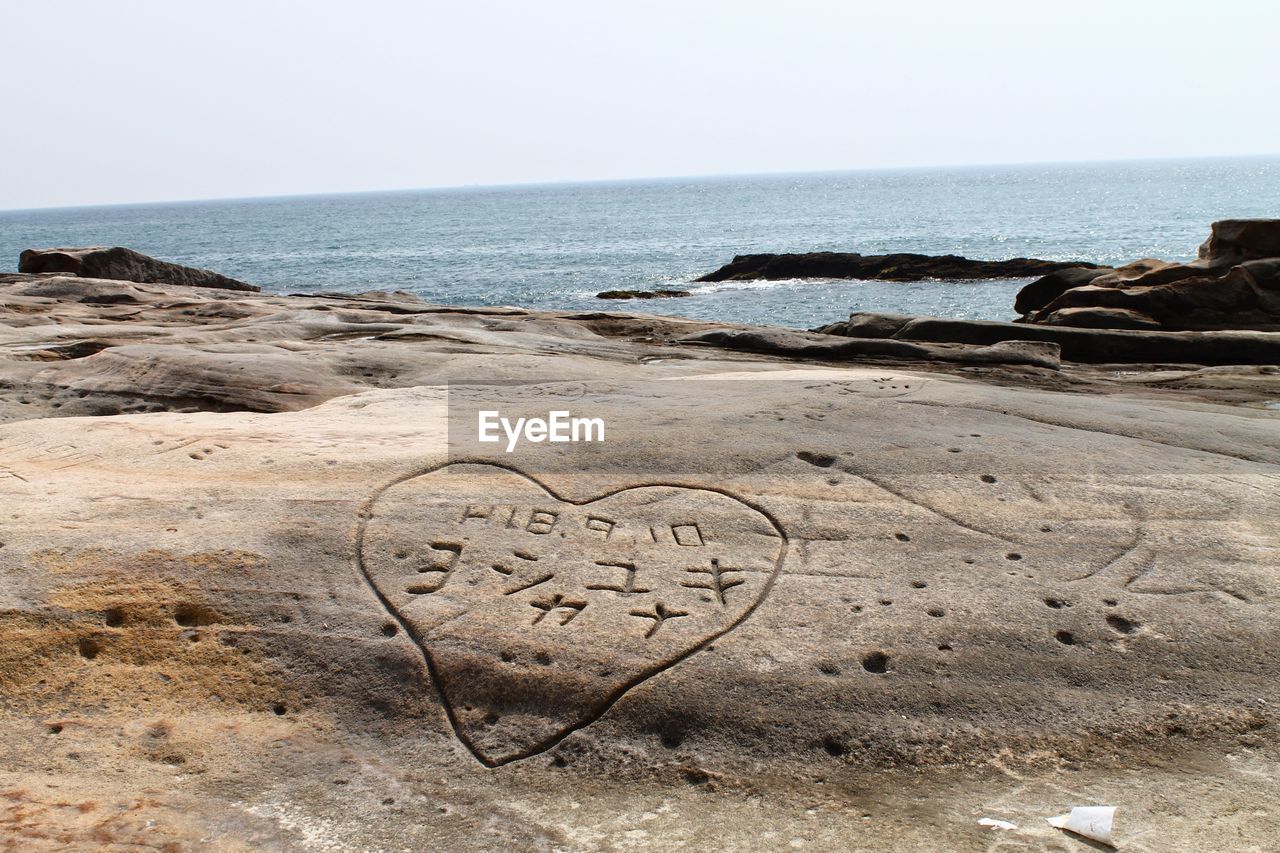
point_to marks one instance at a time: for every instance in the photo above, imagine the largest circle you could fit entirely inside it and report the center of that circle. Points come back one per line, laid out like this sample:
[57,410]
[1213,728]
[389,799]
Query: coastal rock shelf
[262,602]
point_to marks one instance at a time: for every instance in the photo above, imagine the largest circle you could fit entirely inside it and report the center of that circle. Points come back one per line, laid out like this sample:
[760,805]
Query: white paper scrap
[1092,822]
[998,824]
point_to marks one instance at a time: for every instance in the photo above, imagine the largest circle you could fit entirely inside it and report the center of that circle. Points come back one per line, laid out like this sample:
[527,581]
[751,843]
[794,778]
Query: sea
[555,246]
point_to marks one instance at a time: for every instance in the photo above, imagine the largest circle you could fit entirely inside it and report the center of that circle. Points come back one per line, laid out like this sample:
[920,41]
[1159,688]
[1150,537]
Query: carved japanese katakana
[536,611]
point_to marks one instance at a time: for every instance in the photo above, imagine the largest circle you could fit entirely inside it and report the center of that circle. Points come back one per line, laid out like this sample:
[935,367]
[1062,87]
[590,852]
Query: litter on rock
[1092,822]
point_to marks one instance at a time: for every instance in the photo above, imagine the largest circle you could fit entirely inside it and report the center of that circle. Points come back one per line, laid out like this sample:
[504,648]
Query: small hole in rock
[55,728]
[558,761]
[833,747]
[507,657]
[902,537]
[189,615]
[672,738]
[89,648]
[1121,624]
[491,719]
[1013,555]
[543,658]
[819,460]
[114,617]
[278,709]
[987,478]
[937,612]
[1110,602]
[828,669]
[945,647]
[1065,637]
[390,629]
[1056,603]
[918,584]
[876,662]
[886,602]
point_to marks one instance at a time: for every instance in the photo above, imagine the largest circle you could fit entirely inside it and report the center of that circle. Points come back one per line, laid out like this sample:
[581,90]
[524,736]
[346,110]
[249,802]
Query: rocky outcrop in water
[1234,284]
[895,267]
[642,294]
[121,264]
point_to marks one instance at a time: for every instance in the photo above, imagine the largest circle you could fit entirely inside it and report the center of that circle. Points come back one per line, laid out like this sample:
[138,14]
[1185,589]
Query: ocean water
[556,246]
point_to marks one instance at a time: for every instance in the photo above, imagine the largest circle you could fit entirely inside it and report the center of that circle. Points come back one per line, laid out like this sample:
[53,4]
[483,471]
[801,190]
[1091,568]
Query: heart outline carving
[647,493]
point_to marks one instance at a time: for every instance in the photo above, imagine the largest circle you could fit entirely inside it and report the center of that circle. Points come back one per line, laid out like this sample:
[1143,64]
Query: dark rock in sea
[896,267]
[641,294]
[121,264]
[1087,345]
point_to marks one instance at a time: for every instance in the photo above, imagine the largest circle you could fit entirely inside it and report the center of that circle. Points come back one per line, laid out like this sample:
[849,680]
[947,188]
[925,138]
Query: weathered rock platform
[248,599]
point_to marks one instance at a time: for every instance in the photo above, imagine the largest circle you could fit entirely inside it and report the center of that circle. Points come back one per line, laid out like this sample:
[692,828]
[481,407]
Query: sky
[154,100]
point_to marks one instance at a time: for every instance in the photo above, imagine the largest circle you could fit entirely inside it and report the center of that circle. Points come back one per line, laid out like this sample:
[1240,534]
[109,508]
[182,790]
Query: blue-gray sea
[556,246]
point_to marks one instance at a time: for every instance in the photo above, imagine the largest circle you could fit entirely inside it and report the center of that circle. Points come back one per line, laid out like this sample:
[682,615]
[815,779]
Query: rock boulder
[1234,240]
[123,264]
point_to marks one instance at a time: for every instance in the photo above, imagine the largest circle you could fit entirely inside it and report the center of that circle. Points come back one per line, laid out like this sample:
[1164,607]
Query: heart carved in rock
[535,612]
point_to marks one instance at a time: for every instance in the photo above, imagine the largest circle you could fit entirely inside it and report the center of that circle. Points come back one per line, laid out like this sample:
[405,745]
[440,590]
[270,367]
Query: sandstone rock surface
[1233,241]
[784,604]
[123,264]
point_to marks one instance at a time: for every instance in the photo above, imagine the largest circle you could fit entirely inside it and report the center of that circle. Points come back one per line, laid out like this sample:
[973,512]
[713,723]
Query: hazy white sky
[142,100]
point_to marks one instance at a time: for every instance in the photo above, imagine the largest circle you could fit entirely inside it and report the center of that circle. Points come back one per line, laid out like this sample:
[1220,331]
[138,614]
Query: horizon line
[532,184]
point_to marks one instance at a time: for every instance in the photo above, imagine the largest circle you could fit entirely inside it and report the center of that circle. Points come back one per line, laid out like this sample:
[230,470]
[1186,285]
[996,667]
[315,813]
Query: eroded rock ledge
[1094,346]
[1233,284]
